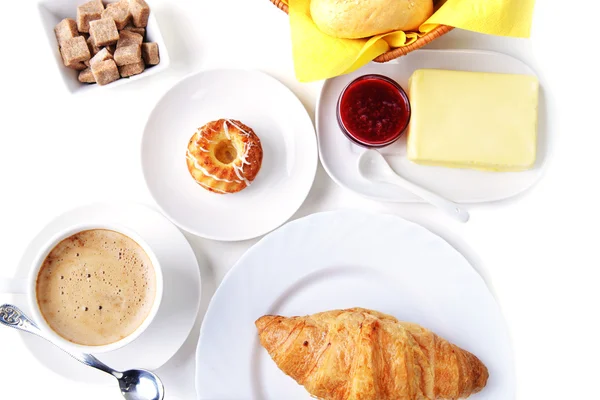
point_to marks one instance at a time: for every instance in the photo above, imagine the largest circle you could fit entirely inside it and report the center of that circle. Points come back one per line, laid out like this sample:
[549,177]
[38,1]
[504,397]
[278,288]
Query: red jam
[373,111]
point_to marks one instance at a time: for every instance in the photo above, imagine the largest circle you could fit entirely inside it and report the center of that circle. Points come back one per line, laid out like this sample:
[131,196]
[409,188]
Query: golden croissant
[359,354]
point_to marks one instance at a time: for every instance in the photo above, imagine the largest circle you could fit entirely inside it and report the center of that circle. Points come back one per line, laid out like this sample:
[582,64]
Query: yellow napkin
[319,56]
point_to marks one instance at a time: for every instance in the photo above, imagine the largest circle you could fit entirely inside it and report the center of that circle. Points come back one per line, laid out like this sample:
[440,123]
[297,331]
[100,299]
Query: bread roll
[354,19]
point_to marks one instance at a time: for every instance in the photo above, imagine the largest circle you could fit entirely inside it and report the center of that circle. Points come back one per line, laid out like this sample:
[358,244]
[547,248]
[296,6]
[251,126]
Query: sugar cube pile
[107,43]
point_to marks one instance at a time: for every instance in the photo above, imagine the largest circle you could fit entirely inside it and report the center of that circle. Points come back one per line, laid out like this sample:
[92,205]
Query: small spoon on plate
[373,166]
[135,384]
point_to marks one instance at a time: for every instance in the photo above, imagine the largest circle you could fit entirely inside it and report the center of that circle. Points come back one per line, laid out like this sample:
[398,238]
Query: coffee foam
[96,287]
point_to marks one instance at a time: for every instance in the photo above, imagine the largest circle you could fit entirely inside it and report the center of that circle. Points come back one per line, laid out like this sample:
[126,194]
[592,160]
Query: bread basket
[399,51]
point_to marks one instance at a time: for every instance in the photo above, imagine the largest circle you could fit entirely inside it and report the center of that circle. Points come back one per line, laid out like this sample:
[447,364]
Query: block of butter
[476,120]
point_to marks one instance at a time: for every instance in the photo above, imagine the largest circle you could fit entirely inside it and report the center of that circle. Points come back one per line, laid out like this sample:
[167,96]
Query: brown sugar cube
[86,76]
[105,72]
[92,46]
[150,53]
[78,66]
[74,52]
[102,55]
[140,11]
[128,55]
[132,28]
[132,69]
[128,38]
[119,12]
[88,12]
[104,32]
[66,29]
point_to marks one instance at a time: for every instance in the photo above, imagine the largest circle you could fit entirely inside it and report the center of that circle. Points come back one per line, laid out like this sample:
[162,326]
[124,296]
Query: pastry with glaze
[363,354]
[224,156]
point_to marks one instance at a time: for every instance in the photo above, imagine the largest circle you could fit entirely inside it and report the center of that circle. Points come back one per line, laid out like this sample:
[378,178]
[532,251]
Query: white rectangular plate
[340,157]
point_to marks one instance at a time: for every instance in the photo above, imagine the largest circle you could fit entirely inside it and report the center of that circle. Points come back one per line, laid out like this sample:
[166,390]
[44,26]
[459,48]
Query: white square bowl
[54,11]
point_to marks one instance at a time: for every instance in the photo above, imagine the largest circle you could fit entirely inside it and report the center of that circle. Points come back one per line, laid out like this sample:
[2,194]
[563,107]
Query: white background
[538,253]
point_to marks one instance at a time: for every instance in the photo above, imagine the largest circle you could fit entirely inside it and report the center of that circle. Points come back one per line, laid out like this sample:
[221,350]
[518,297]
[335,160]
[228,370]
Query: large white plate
[181,297]
[339,156]
[278,118]
[338,260]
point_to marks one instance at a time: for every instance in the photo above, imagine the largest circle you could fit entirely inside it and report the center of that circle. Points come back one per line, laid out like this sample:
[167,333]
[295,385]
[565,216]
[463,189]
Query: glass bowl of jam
[373,111]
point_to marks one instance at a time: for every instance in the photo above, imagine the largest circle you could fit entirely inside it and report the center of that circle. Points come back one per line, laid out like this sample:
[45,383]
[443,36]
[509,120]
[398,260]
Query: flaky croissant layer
[360,354]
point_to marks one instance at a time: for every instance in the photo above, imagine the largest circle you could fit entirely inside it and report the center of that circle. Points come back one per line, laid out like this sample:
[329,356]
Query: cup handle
[13,286]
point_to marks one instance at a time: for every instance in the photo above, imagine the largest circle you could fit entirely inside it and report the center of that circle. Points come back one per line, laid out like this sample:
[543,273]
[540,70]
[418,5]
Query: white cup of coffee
[93,288]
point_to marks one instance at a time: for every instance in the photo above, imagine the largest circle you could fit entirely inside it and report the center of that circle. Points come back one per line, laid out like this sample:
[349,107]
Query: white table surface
[538,253]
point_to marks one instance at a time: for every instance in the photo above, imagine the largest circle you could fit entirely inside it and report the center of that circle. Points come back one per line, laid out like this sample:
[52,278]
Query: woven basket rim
[398,51]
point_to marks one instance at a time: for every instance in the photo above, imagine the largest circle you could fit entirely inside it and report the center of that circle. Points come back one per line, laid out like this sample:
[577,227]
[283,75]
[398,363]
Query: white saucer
[289,145]
[340,157]
[339,260]
[178,310]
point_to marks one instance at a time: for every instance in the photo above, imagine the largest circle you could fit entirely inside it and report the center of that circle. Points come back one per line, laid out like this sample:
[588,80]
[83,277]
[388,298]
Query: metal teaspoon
[135,384]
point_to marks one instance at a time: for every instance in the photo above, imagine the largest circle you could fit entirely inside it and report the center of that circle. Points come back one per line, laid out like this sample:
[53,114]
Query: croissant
[359,354]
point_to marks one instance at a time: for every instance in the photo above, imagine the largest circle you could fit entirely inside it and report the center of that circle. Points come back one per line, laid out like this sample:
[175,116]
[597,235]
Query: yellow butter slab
[473,120]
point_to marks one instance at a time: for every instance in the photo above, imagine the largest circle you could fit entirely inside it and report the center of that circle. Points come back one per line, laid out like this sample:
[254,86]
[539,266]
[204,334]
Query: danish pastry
[224,156]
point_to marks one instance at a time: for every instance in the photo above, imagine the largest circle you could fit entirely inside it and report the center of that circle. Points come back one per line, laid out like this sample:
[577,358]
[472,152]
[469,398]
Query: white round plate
[340,157]
[289,145]
[338,260]
[181,296]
